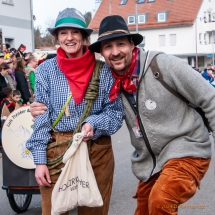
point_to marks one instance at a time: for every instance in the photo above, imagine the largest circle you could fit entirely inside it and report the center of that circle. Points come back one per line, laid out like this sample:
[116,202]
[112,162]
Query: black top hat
[112,27]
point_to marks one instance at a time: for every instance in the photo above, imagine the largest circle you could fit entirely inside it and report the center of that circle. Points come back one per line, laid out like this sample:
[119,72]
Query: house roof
[180,12]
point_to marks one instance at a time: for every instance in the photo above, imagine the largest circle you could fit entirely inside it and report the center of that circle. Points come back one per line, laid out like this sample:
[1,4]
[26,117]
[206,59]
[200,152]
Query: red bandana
[78,72]
[9,103]
[124,80]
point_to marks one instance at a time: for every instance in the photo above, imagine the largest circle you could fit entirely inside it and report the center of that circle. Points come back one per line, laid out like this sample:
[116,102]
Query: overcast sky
[46,10]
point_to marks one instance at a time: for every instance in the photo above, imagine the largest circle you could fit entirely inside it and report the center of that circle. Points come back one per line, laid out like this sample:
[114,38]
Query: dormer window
[123,2]
[141,1]
[161,17]
[131,20]
[141,19]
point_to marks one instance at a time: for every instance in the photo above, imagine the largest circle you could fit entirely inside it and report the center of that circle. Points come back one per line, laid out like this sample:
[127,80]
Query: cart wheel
[20,202]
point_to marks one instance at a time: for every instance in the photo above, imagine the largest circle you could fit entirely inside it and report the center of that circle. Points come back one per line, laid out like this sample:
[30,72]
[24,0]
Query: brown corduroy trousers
[102,161]
[174,185]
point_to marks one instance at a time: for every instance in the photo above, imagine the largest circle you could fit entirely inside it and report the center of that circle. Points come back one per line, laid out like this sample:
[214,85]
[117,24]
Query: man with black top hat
[172,145]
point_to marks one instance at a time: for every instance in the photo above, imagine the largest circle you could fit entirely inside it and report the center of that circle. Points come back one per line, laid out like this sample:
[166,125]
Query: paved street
[203,203]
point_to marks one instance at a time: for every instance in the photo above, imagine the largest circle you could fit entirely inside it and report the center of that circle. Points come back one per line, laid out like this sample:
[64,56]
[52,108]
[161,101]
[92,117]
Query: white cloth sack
[76,185]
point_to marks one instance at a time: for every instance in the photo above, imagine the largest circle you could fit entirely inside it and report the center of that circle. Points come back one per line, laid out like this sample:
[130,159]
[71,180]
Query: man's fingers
[43,182]
[48,177]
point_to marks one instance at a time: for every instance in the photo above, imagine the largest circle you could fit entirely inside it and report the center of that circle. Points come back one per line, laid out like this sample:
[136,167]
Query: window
[213,17]
[141,1]
[209,17]
[7,1]
[200,38]
[131,19]
[205,38]
[162,40]
[141,19]
[210,38]
[123,2]
[151,0]
[161,17]
[172,39]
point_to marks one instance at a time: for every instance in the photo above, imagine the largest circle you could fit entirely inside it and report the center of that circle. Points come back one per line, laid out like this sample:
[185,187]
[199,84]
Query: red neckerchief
[124,80]
[9,104]
[78,72]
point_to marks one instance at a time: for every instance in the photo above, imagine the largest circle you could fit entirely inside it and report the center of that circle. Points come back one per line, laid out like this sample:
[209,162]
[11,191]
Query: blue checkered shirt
[52,89]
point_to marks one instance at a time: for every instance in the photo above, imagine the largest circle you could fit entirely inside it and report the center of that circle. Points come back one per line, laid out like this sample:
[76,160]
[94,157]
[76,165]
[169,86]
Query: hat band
[70,20]
[113,32]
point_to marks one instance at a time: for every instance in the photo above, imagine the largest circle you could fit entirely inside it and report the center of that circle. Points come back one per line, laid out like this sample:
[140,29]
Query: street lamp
[197,66]
[213,40]
[136,11]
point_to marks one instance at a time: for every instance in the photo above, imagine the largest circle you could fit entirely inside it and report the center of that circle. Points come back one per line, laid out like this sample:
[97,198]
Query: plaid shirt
[52,89]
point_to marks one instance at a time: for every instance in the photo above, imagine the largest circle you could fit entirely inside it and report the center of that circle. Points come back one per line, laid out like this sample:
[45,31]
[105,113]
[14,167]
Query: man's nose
[115,50]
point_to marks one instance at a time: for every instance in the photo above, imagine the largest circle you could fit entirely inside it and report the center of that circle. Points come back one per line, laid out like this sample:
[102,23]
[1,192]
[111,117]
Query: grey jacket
[172,128]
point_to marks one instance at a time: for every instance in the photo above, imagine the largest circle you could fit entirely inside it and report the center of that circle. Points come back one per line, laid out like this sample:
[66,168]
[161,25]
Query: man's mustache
[116,57]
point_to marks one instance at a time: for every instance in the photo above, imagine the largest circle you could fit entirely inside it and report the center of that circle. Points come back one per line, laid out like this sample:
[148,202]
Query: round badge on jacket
[150,105]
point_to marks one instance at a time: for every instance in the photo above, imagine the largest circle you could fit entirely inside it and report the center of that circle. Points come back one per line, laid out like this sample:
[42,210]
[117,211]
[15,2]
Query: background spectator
[3,80]
[16,96]
[11,76]
[1,58]
[21,80]
[207,75]
[7,94]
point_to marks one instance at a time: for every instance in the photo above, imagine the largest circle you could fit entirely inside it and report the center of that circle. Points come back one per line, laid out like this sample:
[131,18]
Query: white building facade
[16,23]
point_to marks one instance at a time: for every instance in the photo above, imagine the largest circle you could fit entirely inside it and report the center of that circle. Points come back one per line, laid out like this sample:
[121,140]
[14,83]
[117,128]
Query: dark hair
[12,50]
[19,65]
[7,45]
[6,92]
[4,66]
[16,92]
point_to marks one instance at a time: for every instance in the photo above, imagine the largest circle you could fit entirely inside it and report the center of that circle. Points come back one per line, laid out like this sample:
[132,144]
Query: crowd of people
[17,70]
[17,78]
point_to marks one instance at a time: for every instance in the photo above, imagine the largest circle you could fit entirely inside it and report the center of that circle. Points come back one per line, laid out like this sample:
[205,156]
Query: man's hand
[42,175]
[88,131]
[37,108]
